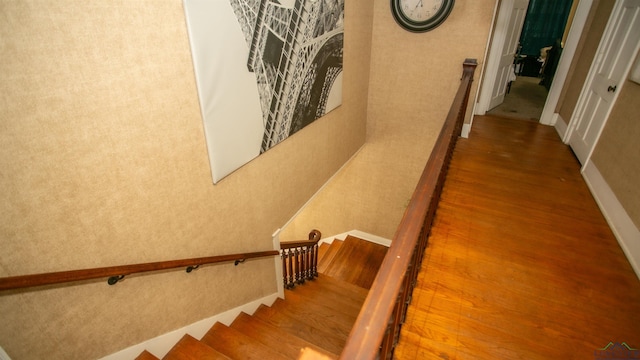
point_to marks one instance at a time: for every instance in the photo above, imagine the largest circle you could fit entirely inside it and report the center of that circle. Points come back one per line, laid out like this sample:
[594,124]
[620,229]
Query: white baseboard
[621,224]
[4,355]
[160,346]
[359,234]
[466,129]
[278,263]
[560,125]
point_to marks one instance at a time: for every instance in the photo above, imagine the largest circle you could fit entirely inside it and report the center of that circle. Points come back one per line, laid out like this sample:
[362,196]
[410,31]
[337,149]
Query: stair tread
[329,255]
[312,294]
[189,348]
[237,345]
[145,355]
[311,354]
[340,286]
[344,266]
[315,315]
[300,327]
[322,250]
[274,337]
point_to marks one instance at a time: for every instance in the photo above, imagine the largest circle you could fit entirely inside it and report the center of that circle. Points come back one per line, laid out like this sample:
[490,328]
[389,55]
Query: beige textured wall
[412,84]
[586,50]
[103,162]
[617,154]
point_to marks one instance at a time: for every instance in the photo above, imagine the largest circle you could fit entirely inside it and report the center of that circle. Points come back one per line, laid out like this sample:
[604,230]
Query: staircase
[317,315]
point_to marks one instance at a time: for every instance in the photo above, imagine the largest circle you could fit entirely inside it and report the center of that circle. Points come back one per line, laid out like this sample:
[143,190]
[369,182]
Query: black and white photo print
[265,69]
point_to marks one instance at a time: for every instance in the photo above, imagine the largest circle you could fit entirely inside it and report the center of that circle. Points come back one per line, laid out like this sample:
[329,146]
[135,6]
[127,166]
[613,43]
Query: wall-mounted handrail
[116,273]
[377,328]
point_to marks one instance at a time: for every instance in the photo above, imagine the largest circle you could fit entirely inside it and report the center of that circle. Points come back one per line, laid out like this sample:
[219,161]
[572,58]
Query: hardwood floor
[521,263]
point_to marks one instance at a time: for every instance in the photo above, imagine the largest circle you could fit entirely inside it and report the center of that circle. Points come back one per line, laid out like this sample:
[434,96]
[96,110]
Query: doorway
[524,100]
[533,63]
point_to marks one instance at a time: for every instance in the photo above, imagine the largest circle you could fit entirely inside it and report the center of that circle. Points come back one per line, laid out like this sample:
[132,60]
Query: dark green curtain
[543,25]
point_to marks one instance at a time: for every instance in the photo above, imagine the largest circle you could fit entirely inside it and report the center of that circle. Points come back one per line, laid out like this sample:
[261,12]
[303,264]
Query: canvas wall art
[265,69]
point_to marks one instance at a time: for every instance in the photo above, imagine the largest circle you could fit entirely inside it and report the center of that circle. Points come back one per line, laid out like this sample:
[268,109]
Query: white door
[504,46]
[508,52]
[611,65]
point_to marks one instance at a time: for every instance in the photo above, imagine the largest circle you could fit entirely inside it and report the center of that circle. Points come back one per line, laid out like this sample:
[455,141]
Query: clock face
[421,15]
[420,10]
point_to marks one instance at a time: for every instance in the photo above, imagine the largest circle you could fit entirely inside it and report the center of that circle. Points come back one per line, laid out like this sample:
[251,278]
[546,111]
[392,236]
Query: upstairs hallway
[521,264]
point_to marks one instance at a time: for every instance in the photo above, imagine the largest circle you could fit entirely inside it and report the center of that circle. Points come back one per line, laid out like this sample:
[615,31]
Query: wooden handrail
[376,330]
[314,237]
[115,273]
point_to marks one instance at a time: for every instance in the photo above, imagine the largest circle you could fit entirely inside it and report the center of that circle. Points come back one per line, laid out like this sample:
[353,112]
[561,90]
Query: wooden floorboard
[521,263]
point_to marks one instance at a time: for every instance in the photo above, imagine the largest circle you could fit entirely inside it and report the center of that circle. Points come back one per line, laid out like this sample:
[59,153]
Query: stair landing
[354,260]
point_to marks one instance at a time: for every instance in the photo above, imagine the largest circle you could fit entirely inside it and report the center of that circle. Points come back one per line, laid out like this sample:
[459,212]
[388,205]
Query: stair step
[317,316]
[345,265]
[145,355]
[310,354]
[322,249]
[237,345]
[189,348]
[274,337]
[341,287]
[328,255]
[337,299]
[302,328]
[316,301]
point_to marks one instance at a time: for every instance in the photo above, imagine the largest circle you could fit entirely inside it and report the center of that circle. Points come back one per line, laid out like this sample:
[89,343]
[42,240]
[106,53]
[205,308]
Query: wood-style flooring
[521,263]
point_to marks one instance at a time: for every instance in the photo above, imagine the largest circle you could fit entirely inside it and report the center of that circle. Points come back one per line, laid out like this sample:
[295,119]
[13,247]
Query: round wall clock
[421,15]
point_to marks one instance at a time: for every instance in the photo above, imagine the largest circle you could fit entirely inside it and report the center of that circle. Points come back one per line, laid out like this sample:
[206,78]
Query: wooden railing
[300,260]
[117,273]
[377,328]
[299,263]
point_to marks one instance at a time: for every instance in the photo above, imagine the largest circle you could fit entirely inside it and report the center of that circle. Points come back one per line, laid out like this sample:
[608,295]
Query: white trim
[635,72]
[278,263]
[476,106]
[466,129]
[4,355]
[577,28]
[583,99]
[160,346]
[492,63]
[625,231]
[359,234]
[560,125]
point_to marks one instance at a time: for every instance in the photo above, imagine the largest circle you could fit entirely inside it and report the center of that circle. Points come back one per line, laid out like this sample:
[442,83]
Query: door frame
[492,64]
[549,116]
[582,99]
